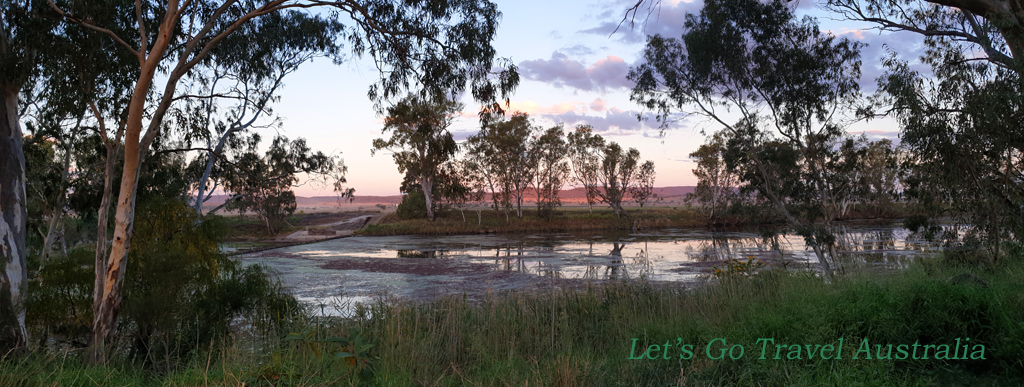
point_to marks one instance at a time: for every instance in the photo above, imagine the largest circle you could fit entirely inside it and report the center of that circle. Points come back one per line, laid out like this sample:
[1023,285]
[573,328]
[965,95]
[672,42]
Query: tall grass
[584,337]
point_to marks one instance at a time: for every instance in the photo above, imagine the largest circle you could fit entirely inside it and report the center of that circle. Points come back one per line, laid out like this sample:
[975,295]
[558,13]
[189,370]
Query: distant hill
[575,196]
[303,201]
[579,195]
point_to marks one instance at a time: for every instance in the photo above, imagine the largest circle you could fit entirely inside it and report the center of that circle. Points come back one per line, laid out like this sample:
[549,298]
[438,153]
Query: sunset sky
[573,71]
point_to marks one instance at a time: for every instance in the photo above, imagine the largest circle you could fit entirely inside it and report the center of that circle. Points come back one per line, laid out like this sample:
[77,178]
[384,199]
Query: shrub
[413,206]
[181,294]
[59,302]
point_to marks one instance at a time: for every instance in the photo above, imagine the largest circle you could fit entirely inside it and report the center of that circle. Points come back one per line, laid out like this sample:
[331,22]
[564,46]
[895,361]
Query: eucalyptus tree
[263,184]
[20,28]
[63,74]
[552,169]
[962,130]
[617,175]
[584,154]
[483,173]
[716,182]
[443,45]
[48,169]
[995,27]
[83,85]
[786,84]
[880,179]
[964,161]
[420,142]
[467,186]
[246,70]
[504,155]
[643,191]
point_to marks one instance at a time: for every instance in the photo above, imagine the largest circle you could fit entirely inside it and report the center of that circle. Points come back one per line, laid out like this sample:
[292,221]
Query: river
[357,269]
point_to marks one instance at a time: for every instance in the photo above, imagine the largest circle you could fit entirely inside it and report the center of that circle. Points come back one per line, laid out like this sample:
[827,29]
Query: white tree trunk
[427,184]
[13,226]
[58,209]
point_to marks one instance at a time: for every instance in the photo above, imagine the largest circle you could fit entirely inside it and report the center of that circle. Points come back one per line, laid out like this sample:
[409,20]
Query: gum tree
[503,153]
[994,27]
[585,157]
[778,85]
[617,175]
[716,183]
[643,191]
[552,169]
[420,142]
[445,45]
[963,130]
[263,184]
[247,70]
[26,28]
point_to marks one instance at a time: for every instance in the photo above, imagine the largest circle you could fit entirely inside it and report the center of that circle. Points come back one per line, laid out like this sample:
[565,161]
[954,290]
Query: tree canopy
[789,85]
[420,142]
[436,47]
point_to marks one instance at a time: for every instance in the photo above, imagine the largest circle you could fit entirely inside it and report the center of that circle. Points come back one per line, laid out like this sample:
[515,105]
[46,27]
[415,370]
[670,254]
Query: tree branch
[93,27]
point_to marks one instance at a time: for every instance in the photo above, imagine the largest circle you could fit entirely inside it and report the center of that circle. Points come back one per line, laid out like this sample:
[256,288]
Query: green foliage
[59,303]
[550,151]
[585,156]
[352,350]
[737,267]
[501,154]
[263,184]
[643,191]
[413,206]
[181,293]
[422,146]
[618,172]
[716,182]
[43,166]
[584,336]
[791,84]
[962,130]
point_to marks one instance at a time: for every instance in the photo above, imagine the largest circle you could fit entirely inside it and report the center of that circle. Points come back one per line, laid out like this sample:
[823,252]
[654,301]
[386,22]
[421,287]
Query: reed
[584,336]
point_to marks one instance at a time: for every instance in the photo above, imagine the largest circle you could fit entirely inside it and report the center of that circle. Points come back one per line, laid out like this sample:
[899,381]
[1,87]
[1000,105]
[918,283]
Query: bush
[413,206]
[59,302]
[181,294]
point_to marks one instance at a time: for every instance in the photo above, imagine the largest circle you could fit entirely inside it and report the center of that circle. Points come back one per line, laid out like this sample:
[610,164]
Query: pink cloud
[560,71]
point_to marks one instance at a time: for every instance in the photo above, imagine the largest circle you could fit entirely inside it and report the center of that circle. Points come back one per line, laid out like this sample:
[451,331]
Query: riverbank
[246,234]
[629,334]
[568,220]
[577,219]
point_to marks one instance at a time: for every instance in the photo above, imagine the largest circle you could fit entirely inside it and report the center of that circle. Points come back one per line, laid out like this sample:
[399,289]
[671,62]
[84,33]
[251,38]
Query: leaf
[343,355]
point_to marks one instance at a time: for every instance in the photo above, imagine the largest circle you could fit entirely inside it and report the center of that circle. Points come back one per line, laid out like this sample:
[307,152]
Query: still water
[423,267]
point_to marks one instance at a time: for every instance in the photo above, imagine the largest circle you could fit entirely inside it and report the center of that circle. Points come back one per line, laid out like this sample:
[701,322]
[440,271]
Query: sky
[573,71]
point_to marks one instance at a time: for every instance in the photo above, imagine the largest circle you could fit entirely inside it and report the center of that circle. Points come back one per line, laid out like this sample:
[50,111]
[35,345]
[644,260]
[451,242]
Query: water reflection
[420,254]
[420,266]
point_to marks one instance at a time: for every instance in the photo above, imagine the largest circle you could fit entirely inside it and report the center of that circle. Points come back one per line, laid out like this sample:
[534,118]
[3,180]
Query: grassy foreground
[586,338]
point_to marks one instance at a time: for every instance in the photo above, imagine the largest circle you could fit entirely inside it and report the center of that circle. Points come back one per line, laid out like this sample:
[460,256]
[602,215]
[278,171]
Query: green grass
[584,337]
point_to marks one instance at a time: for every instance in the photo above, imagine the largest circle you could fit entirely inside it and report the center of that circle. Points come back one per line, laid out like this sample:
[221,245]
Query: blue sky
[573,71]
